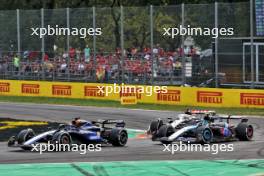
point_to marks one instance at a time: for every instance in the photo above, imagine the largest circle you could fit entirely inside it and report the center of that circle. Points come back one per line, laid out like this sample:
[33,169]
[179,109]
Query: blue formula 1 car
[78,132]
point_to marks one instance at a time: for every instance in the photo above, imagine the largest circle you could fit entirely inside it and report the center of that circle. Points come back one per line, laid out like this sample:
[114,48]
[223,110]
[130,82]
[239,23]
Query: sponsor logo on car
[171,95]
[64,90]
[4,87]
[30,88]
[252,99]
[93,91]
[209,97]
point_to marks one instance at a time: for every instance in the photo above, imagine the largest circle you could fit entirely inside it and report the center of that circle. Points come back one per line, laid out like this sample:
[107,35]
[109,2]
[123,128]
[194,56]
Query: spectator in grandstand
[81,67]
[2,69]
[48,67]
[128,53]
[36,68]
[16,62]
[65,55]
[180,52]
[187,50]
[156,49]
[46,57]
[87,53]
[192,51]
[78,54]
[63,66]
[25,54]
[134,52]
[100,73]
[177,68]
[72,53]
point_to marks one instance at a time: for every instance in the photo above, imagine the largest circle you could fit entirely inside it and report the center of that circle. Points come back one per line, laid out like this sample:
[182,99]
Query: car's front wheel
[25,135]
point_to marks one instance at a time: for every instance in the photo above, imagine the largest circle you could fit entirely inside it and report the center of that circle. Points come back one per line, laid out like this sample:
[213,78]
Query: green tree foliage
[167,13]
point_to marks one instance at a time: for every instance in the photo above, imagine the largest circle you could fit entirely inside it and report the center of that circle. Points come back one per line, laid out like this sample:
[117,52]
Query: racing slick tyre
[204,135]
[154,128]
[165,131]
[62,137]
[118,137]
[244,131]
[11,141]
[155,125]
[25,135]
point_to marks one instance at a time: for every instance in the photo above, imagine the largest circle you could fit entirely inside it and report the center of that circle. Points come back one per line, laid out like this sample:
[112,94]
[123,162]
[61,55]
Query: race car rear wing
[118,123]
[202,112]
[230,117]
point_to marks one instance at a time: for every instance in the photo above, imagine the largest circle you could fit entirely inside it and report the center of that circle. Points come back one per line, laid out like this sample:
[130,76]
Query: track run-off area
[139,157]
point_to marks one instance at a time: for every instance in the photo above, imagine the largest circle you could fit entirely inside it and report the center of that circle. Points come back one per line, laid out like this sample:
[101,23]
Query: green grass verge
[103,103]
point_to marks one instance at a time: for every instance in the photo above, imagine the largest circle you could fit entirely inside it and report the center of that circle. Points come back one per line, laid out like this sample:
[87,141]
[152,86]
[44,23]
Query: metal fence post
[216,46]
[151,44]
[18,33]
[68,40]
[94,45]
[68,26]
[182,41]
[252,43]
[42,44]
[122,41]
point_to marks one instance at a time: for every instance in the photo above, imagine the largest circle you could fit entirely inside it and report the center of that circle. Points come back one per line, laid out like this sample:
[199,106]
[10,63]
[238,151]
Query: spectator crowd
[80,63]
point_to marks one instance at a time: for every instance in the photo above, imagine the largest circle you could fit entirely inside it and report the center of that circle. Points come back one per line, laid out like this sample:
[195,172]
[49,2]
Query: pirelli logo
[252,99]
[209,97]
[4,87]
[128,100]
[130,92]
[63,90]
[30,88]
[170,96]
[93,91]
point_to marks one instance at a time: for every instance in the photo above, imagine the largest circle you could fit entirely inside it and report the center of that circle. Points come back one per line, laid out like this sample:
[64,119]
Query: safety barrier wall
[190,96]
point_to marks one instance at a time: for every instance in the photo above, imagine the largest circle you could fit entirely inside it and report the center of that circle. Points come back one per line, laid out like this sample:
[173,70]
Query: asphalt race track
[136,149]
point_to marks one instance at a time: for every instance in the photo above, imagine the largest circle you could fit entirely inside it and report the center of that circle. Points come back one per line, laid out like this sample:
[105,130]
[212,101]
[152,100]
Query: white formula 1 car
[202,129]
[158,129]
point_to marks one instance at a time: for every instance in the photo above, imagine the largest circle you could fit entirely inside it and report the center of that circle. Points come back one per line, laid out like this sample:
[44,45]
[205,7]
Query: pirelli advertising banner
[189,96]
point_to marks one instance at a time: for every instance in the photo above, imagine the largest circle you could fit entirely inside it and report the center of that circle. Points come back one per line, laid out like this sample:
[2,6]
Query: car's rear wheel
[244,132]
[118,137]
